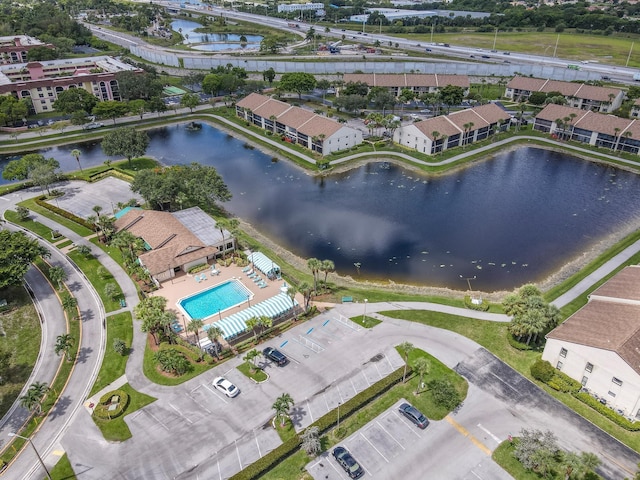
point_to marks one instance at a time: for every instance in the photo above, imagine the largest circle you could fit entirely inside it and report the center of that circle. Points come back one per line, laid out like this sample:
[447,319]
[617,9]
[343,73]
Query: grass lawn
[31,225]
[150,370]
[116,430]
[293,466]
[365,321]
[90,265]
[113,364]
[21,337]
[285,432]
[257,375]
[503,456]
[70,224]
[62,470]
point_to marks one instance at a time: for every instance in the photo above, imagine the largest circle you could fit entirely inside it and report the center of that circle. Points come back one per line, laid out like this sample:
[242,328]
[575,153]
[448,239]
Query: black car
[347,462]
[415,415]
[276,356]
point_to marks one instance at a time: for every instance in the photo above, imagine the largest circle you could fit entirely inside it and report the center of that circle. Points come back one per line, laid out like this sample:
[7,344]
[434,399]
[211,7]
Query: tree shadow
[296,415]
[83,354]
[60,408]
[87,315]
[74,286]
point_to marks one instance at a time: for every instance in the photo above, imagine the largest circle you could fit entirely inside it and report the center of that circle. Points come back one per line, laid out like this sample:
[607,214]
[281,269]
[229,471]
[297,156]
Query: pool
[216,299]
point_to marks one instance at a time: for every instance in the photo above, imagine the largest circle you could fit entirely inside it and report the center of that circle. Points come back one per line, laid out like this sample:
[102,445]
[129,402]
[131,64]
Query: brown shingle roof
[319,126]
[605,325]
[592,121]
[408,80]
[568,89]
[440,124]
[481,116]
[252,101]
[625,285]
[295,117]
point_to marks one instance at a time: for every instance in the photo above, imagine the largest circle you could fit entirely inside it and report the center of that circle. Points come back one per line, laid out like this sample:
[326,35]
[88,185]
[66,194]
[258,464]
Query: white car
[226,387]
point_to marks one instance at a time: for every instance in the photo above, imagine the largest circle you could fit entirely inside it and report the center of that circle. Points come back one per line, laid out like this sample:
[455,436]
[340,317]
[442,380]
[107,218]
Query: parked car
[347,462]
[486,56]
[415,415]
[226,387]
[275,356]
[91,126]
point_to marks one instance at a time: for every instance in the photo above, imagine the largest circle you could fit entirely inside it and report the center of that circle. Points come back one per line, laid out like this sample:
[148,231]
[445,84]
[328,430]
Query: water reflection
[509,220]
[214,41]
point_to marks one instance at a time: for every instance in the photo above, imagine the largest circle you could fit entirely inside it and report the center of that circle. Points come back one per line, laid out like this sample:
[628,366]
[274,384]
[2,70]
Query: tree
[70,305]
[537,98]
[6,357]
[110,109]
[136,85]
[444,393]
[405,348]
[155,104]
[32,399]
[194,326]
[23,213]
[421,366]
[314,265]
[22,168]
[63,345]
[111,291]
[16,254]
[355,88]
[214,333]
[532,444]
[310,441]
[43,175]
[350,103]
[406,95]
[250,358]
[451,95]
[297,82]
[306,290]
[139,107]
[75,153]
[382,98]
[252,324]
[120,347]
[269,75]
[190,100]
[531,314]
[173,361]
[327,266]
[75,100]
[58,276]
[150,311]
[281,406]
[12,109]
[125,141]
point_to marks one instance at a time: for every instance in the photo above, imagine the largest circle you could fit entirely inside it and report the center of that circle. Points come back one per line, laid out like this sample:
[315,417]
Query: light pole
[249,300]
[364,314]
[338,427]
[11,434]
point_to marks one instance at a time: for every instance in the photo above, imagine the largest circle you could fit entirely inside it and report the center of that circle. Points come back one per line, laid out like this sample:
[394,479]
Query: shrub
[607,412]
[542,370]
[119,346]
[63,213]
[198,268]
[101,410]
[444,393]
[173,361]
[481,307]
[23,213]
[516,344]
[564,383]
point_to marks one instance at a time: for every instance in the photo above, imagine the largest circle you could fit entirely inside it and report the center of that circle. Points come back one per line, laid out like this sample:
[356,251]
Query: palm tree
[435,134]
[214,332]
[70,304]
[250,359]
[76,154]
[405,348]
[273,119]
[305,289]
[264,323]
[93,220]
[616,134]
[327,266]
[281,406]
[58,276]
[63,345]
[422,367]
[32,399]
[229,224]
[314,265]
[252,324]
[97,209]
[194,327]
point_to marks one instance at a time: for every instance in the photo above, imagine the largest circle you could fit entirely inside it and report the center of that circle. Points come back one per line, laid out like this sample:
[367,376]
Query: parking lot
[390,446]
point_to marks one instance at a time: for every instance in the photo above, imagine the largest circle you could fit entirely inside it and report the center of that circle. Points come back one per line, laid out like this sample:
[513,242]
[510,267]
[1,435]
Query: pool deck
[185,285]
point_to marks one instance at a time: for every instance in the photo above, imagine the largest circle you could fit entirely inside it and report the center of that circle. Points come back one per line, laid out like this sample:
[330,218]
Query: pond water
[509,220]
[213,41]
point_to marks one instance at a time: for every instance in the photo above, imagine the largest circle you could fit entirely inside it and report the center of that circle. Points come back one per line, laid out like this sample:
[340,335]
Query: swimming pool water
[215,299]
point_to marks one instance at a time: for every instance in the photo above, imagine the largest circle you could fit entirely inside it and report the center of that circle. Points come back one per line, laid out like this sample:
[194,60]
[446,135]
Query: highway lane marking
[467,434]
[374,447]
[498,441]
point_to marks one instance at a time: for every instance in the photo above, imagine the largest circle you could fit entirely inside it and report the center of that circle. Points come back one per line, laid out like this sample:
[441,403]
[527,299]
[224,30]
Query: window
[563,352]
[584,381]
[616,381]
[559,365]
[588,367]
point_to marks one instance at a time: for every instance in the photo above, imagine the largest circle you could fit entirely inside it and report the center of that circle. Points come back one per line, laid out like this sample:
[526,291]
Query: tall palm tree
[97,209]
[405,348]
[264,323]
[70,304]
[63,345]
[250,359]
[93,220]
[252,324]
[314,265]
[435,134]
[58,276]
[214,333]
[32,399]
[306,290]
[76,154]
[327,266]
[422,367]
[194,327]
[282,405]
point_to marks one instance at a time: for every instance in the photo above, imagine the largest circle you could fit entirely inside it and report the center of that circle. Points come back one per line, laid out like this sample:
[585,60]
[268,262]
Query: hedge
[324,423]
[612,415]
[111,172]
[63,213]
[481,307]
[101,410]
[564,383]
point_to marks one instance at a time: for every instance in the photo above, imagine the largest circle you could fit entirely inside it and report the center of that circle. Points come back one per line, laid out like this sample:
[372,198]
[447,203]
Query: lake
[512,219]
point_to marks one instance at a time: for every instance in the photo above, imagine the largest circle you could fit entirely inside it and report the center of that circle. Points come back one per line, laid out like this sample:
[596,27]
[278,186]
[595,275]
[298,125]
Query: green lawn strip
[493,337]
[285,432]
[65,222]
[62,470]
[113,252]
[116,430]
[113,366]
[137,164]
[503,456]
[22,333]
[365,321]
[31,225]
[89,266]
[149,368]
[257,375]
[292,467]
[61,245]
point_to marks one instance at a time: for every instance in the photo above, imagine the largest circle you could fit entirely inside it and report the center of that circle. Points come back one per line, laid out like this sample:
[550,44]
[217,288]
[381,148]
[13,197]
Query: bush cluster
[198,268]
[516,344]
[607,412]
[273,458]
[564,383]
[482,307]
[101,410]
[542,370]
[111,172]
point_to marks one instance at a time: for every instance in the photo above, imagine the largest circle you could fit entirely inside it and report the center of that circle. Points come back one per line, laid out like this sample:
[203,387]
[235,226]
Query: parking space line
[309,410]
[180,413]
[215,393]
[378,370]
[354,387]
[498,441]
[235,442]
[406,423]
[365,377]
[466,433]
[156,420]
[200,405]
[392,437]
[340,393]
[374,447]
[325,401]
[219,471]
[257,444]
[389,362]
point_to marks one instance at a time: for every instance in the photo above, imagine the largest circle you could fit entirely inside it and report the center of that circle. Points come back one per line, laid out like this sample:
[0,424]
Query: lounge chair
[258,279]
[253,275]
[215,272]
[250,272]
[197,277]
[246,269]
[262,285]
[203,276]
